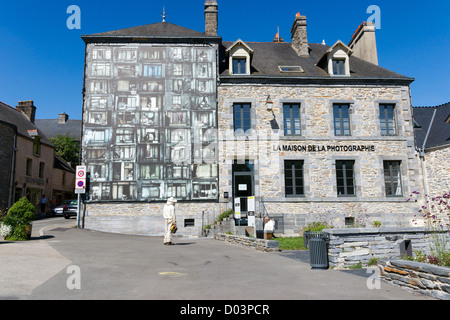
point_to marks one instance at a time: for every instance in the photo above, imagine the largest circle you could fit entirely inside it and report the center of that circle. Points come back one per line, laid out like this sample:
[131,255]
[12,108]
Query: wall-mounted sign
[323,148]
[242,187]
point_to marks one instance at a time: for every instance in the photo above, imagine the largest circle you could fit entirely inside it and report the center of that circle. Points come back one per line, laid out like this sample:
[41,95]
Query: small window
[345,178]
[338,67]
[189,223]
[341,119]
[387,120]
[291,114]
[29,168]
[242,117]
[290,69]
[37,146]
[293,177]
[393,178]
[41,170]
[239,66]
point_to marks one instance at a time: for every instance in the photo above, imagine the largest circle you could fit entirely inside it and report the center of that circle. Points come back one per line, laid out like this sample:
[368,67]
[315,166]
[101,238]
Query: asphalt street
[64,263]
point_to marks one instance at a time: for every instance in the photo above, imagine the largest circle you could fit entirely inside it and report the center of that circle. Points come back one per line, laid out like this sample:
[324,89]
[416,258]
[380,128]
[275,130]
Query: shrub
[18,218]
[317,226]
[225,214]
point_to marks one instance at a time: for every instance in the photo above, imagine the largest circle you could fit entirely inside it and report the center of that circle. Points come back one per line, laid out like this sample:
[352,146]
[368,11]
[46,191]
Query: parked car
[70,209]
[58,211]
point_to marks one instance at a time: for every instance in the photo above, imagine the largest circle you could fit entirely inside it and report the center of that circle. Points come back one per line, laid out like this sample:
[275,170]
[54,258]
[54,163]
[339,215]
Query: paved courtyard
[108,267]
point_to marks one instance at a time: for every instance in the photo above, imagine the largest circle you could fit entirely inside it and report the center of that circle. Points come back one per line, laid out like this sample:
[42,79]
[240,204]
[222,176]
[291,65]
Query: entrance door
[243,184]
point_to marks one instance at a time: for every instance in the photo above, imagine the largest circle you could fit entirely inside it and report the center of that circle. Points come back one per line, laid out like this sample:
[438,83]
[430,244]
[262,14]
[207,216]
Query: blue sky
[42,60]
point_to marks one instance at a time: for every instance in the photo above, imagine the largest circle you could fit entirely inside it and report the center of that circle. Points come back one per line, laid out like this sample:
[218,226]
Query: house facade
[298,131]
[29,154]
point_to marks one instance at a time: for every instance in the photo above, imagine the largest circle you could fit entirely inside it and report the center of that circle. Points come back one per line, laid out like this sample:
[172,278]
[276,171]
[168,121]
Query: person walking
[43,205]
[170,221]
[269,228]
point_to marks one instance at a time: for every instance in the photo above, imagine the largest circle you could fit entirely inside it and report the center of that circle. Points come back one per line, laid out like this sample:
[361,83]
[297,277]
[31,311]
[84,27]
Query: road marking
[172,274]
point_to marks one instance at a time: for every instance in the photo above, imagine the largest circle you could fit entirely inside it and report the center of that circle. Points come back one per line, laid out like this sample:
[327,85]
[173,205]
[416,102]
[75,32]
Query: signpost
[80,188]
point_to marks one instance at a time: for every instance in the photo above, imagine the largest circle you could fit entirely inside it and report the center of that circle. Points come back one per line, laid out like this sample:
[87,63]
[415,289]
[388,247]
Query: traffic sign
[81,172]
[80,179]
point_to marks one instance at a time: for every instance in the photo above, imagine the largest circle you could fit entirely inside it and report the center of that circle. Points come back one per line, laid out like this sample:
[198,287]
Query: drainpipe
[422,158]
[13,168]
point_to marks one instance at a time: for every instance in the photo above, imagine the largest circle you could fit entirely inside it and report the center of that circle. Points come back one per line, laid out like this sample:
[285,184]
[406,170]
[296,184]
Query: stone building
[63,172]
[433,144]
[27,154]
[299,131]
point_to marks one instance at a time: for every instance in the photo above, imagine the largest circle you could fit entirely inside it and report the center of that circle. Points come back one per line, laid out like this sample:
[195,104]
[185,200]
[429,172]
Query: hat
[173,200]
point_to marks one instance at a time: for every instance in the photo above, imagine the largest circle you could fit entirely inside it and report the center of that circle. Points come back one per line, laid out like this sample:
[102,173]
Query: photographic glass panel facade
[150,117]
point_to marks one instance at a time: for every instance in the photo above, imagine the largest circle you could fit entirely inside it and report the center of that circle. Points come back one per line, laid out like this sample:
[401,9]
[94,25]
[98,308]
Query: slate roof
[268,56]
[13,116]
[60,163]
[51,128]
[159,30]
[433,120]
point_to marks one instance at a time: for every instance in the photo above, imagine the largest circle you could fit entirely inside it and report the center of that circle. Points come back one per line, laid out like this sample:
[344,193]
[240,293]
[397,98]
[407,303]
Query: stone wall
[258,244]
[437,171]
[147,218]
[348,247]
[430,280]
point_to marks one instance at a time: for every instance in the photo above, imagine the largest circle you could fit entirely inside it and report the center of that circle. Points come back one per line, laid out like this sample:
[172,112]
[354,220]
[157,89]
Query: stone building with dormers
[295,130]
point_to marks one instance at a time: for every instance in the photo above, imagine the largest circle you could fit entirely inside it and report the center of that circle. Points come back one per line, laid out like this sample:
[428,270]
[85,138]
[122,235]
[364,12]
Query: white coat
[170,220]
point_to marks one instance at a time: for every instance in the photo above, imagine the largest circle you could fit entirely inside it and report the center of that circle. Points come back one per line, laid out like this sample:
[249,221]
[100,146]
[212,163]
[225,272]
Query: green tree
[67,148]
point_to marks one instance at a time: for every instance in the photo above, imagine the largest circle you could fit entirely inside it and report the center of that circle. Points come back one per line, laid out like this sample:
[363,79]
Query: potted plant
[20,218]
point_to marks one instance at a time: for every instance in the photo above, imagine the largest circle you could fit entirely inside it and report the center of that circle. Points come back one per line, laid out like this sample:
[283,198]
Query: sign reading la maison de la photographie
[325,148]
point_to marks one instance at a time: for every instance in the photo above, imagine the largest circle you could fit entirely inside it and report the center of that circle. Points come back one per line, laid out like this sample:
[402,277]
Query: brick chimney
[28,109]
[63,118]
[364,43]
[211,18]
[300,36]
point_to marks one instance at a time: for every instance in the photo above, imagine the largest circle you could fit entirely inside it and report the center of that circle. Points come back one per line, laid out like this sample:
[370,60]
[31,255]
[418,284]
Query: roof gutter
[313,80]
[150,39]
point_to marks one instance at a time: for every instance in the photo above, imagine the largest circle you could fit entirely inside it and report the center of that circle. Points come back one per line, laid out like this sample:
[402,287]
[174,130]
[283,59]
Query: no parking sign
[80,179]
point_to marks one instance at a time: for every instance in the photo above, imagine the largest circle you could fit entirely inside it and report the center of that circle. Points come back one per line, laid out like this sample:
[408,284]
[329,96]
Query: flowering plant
[5,230]
[436,214]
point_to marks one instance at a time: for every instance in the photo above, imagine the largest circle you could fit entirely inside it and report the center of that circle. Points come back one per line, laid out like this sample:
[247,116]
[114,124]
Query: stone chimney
[63,118]
[300,36]
[28,109]
[364,43]
[211,18]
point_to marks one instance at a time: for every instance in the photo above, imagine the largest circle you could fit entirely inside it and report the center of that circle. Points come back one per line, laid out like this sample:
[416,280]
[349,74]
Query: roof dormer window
[336,61]
[339,67]
[240,57]
[240,65]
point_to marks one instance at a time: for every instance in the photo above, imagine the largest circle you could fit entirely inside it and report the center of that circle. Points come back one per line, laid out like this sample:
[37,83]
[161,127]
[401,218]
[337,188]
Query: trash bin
[318,251]
[310,234]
